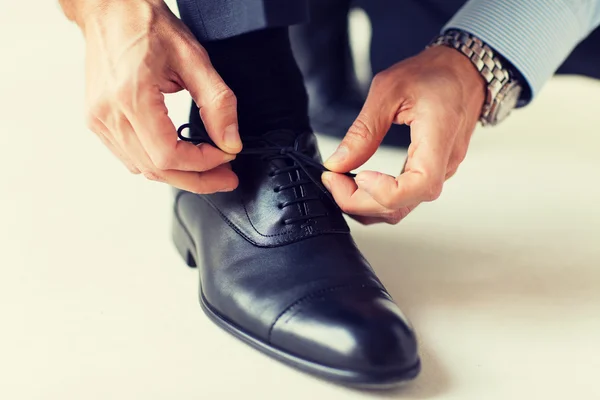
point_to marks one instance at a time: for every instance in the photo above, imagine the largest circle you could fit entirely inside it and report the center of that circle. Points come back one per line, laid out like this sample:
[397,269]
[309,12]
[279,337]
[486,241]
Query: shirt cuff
[533,36]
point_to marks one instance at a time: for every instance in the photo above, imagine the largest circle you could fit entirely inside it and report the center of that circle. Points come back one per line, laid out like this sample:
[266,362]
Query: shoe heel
[183,243]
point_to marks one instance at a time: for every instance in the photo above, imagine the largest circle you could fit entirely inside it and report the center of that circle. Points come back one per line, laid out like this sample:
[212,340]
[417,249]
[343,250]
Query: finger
[451,171]
[424,176]
[352,200]
[395,193]
[360,205]
[158,136]
[101,132]
[219,179]
[367,220]
[392,220]
[368,130]
[216,101]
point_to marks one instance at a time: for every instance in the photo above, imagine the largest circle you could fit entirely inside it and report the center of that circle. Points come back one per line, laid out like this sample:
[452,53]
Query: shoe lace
[268,150]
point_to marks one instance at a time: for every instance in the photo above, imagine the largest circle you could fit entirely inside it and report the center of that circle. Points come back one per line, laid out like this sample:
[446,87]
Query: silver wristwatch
[503,90]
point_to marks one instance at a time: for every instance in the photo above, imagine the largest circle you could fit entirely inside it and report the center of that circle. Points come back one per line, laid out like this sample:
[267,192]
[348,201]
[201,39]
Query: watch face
[513,92]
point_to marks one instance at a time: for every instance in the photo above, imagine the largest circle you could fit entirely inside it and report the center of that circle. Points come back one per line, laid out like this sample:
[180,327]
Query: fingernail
[339,156]
[228,157]
[232,137]
[326,181]
[367,178]
[226,190]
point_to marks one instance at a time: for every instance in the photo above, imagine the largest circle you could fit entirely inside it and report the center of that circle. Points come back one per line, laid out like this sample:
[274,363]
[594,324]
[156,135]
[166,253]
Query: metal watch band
[482,56]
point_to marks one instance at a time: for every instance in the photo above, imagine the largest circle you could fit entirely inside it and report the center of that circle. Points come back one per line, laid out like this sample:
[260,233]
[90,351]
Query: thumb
[366,133]
[216,101]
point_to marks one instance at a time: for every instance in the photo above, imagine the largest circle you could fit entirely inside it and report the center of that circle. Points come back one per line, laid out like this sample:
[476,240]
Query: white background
[501,276]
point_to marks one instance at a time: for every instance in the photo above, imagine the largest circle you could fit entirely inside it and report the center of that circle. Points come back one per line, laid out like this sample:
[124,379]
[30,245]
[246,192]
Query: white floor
[501,276]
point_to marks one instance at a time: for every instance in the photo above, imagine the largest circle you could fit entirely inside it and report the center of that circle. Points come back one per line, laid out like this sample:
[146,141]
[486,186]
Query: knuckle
[345,207]
[153,176]
[388,202]
[380,79]
[460,156]
[434,190]
[94,114]
[450,173]
[360,130]
[133,170]
[342,205]
[92,122]
[223,97]
[203,157]
[452,168]
[164,160]
[394,218]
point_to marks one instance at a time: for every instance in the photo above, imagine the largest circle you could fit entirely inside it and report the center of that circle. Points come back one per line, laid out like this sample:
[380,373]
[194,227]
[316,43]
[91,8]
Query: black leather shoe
[279,269]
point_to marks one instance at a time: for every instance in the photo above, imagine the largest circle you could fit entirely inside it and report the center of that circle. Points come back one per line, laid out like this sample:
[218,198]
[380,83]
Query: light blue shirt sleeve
[536,36]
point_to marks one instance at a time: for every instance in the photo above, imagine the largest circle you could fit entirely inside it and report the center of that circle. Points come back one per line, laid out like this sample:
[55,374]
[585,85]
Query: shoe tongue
[283,138]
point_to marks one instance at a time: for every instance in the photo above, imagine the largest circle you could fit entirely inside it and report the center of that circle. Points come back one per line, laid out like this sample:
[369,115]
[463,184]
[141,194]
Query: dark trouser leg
[261,70]
[585,59]
[248,44]
[221,19]
[322,49]
[323,52]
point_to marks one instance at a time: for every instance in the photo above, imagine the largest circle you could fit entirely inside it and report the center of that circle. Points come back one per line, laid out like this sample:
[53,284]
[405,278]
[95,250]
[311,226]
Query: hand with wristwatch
[440,93]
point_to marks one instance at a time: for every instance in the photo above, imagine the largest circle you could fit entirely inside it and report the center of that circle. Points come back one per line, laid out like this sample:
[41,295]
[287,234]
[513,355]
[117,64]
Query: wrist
[82,12]
[78,10]
[502,91]
[473,85]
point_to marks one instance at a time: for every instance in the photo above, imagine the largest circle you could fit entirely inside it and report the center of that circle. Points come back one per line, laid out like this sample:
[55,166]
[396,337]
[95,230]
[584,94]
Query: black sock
[261,70]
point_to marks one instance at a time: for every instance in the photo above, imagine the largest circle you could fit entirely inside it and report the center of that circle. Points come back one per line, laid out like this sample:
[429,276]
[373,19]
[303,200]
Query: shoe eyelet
[280,206]
[277,189]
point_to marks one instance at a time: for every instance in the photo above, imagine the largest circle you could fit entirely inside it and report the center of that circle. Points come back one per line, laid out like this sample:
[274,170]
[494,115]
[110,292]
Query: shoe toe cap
[353,329]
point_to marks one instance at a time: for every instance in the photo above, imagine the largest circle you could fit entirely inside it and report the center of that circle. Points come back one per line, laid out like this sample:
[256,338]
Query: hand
[439,94]
[136,51]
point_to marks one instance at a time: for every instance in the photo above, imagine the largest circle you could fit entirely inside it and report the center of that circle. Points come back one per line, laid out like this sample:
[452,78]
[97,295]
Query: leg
[221,19]
[260,69]
[322,48]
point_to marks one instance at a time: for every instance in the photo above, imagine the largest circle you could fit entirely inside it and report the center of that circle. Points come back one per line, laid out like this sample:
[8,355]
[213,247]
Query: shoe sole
[383,379]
